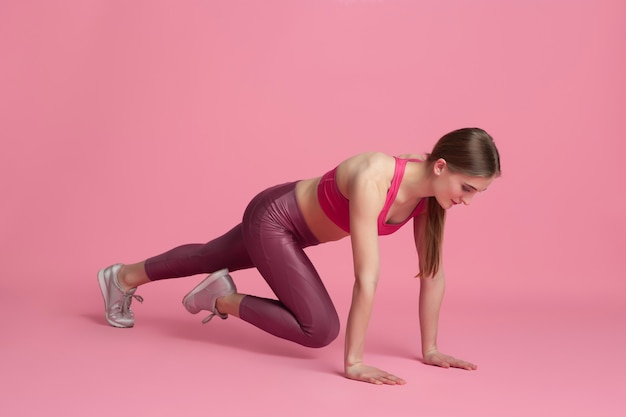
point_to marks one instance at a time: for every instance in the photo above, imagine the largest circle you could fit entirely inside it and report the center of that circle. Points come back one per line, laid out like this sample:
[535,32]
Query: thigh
[273,235]
[290,274]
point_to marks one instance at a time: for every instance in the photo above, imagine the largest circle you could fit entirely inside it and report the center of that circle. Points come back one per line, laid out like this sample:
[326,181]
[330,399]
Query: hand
[434,357]
[360,372]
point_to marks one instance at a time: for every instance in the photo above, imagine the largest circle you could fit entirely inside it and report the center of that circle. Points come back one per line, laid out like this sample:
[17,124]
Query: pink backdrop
[131,127]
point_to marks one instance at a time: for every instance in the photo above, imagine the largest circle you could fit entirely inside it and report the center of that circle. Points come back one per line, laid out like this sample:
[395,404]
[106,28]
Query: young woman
[365,196]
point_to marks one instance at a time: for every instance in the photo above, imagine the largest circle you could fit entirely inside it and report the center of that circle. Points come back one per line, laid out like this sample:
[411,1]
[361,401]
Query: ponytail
[433,239]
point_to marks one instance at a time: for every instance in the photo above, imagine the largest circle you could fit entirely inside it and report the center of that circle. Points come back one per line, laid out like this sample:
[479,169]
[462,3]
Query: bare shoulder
[371,166]
[420,156]
[369,162]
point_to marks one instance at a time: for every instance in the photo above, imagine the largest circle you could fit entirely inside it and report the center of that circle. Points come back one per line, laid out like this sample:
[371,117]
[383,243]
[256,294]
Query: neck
[418,179]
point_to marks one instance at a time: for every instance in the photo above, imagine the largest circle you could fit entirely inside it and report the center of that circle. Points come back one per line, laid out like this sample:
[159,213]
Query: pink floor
[536,358]
[131,127]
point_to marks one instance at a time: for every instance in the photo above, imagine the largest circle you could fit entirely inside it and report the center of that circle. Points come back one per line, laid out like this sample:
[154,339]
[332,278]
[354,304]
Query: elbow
[365,284]
[366,276]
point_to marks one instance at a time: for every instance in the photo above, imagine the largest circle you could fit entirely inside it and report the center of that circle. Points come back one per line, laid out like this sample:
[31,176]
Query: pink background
[131,127]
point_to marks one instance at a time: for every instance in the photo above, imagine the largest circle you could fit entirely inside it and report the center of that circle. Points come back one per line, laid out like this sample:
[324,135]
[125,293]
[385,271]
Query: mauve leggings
[270,238]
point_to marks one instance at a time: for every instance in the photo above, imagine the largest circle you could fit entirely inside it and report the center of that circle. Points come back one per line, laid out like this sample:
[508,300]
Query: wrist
[429,349]
[348,363]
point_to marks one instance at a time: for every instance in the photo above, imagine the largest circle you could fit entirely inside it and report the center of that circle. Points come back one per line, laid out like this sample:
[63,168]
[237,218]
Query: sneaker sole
[205,283]
[103,290]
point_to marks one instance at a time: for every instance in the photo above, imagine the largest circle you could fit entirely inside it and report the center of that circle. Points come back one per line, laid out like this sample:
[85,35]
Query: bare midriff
[320,225]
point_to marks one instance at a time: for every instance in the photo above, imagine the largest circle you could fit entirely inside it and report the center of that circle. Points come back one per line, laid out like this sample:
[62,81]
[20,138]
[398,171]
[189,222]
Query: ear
[439,165]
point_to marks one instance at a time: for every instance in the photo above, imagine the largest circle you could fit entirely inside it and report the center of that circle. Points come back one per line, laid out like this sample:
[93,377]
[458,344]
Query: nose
[467,200]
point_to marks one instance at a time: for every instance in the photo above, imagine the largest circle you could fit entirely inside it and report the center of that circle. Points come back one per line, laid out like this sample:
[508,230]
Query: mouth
[454,203]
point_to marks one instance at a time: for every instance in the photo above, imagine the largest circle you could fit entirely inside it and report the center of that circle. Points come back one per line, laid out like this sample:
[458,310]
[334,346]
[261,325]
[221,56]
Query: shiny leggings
[270,238]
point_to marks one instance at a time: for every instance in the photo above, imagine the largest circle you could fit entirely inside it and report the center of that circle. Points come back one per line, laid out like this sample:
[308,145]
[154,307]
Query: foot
[116,300]
[205,295]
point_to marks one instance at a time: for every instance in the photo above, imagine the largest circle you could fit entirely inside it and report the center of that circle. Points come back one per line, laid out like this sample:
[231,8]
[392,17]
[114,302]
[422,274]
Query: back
[336,205]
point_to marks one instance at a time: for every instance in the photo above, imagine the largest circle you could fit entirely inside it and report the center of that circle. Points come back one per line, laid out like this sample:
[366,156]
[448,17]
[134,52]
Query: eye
[466,189]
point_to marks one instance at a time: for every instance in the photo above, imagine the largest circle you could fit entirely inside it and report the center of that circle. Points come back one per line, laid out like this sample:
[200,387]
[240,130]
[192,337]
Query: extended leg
[227,251]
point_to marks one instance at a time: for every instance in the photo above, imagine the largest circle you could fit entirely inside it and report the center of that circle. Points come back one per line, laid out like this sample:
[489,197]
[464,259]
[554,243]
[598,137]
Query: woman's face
[452,188]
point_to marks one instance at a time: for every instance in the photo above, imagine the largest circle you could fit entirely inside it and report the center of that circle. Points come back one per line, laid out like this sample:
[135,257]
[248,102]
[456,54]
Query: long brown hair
[469,151]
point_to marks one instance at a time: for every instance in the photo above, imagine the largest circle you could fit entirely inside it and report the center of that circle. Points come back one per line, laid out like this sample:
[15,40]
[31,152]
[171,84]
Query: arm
[367,192]
[431,297]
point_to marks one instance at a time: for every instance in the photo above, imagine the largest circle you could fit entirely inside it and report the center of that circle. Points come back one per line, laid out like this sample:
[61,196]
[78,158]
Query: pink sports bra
[337,207]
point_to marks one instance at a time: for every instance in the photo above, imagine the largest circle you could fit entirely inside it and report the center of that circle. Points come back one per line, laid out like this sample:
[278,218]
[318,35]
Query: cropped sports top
[337,207]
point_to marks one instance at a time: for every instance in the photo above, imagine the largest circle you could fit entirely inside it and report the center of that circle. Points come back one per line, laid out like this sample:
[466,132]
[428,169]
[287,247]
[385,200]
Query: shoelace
[128,298]
[208,318]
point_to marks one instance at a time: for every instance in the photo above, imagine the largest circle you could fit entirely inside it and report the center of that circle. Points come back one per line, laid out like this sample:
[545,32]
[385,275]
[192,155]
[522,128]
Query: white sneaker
[116,301]
[205,294]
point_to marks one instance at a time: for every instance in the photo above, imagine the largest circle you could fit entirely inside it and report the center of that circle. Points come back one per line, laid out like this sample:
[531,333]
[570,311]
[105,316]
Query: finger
[374,380]
[391,380]
[457,363]
[396,380]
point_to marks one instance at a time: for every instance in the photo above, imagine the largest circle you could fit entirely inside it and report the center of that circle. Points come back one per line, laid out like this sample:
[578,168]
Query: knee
[323,334]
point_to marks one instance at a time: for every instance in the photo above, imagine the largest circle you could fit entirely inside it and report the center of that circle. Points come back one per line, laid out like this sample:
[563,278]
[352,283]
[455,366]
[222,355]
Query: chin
[443,206]
[447,203]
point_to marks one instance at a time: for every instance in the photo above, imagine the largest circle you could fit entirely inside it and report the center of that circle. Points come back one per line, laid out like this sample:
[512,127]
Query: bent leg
[304,312]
